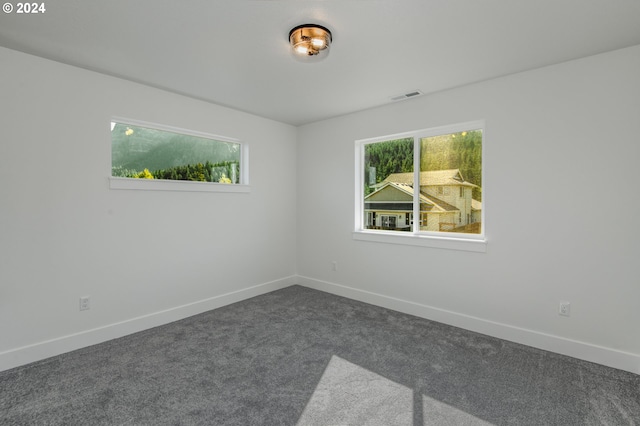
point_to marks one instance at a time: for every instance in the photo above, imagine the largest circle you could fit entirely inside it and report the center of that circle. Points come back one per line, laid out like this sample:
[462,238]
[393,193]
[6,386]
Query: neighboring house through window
[434,174]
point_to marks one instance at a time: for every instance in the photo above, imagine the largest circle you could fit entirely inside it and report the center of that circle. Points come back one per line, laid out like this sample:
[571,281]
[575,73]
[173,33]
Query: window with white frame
[144,151]
[432,174]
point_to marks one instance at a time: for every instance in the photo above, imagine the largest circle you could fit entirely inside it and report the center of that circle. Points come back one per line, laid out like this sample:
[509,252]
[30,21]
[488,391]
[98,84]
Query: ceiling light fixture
[310,42]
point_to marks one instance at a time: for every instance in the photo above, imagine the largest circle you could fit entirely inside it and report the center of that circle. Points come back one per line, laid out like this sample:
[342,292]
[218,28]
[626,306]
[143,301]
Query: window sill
[464,244]
[174,185]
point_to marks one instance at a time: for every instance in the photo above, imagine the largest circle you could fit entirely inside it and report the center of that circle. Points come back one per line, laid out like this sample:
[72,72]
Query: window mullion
[416,185]
[359,180]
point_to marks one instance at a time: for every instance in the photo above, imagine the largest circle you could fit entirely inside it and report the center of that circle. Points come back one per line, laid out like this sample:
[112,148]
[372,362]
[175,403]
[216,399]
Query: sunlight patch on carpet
[348,394]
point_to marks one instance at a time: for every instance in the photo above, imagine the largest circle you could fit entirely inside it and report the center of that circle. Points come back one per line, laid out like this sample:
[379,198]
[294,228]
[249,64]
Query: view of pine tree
[135,148]
[384,158]
[208,172]
[461,150]
[224,172]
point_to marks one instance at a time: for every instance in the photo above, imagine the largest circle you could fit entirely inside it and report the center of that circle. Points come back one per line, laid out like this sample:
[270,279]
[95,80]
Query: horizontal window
[142,153]
[434,175]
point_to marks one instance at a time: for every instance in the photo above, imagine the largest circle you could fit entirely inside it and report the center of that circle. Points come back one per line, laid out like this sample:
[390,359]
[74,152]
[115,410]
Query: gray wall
[144,257]
[561,202]
[561,152]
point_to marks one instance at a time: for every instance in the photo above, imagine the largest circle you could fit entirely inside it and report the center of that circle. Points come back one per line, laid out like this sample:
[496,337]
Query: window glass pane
[388,185]
[451,182]
[146,153]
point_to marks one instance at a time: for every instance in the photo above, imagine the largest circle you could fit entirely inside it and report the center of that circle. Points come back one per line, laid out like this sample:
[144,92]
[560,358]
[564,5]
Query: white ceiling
[235,52]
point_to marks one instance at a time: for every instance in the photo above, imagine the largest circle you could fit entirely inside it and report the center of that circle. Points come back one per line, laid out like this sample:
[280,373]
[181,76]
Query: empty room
[332,212]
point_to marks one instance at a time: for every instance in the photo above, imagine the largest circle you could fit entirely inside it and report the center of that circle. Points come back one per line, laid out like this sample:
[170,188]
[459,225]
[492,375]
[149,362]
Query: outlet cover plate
[85,303]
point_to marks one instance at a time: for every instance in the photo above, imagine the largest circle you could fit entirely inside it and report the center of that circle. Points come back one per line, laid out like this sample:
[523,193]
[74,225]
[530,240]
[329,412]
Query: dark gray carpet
[300,356]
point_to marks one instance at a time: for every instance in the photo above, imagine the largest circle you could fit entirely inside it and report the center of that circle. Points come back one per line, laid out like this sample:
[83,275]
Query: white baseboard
[581,350]
[42,350]
[576,349]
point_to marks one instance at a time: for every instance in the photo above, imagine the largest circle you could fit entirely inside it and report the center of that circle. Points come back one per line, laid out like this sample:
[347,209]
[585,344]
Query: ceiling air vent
[404,96]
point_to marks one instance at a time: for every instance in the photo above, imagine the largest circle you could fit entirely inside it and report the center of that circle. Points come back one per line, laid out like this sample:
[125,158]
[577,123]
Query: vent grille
[407,95]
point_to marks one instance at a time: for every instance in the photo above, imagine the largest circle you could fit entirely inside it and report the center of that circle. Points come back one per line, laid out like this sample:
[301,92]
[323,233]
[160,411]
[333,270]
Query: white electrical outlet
[85,303]
[565,309]
[334,265]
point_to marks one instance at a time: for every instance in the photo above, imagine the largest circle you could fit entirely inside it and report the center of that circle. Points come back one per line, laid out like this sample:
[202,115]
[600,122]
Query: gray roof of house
[439,203]
[425,198]
[431,178]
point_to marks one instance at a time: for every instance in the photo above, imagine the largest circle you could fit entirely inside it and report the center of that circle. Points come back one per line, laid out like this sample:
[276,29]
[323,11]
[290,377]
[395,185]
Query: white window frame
[182,185]
[442,240]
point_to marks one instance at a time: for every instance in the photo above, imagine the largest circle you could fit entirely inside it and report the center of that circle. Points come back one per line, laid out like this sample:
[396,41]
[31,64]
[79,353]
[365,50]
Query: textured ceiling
[235,52]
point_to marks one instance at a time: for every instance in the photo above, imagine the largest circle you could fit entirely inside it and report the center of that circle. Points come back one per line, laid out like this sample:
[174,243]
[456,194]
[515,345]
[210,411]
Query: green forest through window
[148,153]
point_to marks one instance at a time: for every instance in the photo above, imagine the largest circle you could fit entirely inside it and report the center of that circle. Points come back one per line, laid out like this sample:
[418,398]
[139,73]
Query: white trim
[593,353]
[173,129]
[450,128]
[582,350]
[358,210]
[415,228]
[412,239]
[174,185]
[41,350]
